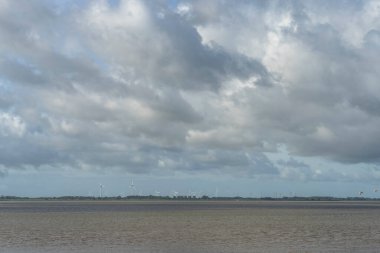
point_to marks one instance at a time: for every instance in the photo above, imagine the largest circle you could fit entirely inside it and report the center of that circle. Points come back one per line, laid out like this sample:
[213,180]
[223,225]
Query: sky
[250,98]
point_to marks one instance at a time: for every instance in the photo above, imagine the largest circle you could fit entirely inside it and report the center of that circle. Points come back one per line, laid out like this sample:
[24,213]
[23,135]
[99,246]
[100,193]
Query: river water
[189,227]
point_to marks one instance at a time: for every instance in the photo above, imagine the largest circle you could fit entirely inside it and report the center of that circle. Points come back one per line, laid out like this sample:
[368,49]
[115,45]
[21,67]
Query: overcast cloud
[191,86]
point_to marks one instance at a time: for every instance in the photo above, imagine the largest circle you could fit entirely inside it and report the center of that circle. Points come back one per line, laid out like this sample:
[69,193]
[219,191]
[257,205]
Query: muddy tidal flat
[188,226]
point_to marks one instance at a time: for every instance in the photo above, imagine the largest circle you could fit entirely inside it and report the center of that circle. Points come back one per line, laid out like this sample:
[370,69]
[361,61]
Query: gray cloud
[3,172]
[157,45]
[202,86]
[325,102]
[292,163]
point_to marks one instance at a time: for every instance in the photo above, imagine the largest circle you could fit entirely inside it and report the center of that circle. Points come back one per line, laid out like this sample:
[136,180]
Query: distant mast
[101,190]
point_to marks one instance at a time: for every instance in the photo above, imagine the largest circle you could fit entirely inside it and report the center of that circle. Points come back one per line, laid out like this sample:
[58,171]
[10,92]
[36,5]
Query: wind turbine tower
[101,190]
[132,187]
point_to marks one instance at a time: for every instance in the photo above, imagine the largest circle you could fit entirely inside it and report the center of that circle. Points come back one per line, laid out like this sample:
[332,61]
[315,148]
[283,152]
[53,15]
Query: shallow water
[186,227]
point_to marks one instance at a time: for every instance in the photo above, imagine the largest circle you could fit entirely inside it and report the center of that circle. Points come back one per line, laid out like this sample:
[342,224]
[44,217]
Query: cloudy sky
[251,98]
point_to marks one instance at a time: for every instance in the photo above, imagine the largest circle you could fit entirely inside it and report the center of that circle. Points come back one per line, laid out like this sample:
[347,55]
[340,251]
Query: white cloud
[11,125]
[142,85]
[322,133]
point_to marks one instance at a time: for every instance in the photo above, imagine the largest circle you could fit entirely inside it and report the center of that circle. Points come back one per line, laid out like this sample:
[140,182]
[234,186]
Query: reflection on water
[212,227]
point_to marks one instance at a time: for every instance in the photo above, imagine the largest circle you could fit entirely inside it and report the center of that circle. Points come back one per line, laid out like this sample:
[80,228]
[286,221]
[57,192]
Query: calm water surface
[189,227]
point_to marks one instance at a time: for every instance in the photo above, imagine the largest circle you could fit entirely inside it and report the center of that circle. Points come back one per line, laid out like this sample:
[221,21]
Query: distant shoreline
[183,198]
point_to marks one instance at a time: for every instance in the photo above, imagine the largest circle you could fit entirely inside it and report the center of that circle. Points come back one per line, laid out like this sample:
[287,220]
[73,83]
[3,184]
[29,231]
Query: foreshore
[184,198]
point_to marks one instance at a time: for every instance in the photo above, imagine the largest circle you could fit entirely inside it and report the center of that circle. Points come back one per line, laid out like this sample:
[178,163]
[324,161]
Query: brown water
[187,227]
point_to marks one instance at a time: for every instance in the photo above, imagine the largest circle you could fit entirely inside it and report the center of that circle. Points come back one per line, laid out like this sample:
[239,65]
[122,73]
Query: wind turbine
[101,190]
[132,187]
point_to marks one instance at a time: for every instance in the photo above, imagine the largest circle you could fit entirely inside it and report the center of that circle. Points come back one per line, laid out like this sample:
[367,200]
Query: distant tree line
[184,198]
